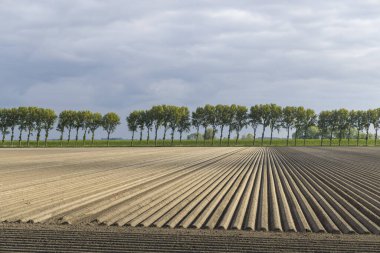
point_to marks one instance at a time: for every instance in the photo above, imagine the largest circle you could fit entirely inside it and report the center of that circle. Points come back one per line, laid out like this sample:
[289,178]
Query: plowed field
[262,189]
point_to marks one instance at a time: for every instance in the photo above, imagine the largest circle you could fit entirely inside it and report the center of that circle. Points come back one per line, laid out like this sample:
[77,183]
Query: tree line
[233,118]
[35,119]
[222,119]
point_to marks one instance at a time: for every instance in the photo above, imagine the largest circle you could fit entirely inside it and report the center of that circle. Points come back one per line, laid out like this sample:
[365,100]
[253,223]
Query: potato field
[299,190]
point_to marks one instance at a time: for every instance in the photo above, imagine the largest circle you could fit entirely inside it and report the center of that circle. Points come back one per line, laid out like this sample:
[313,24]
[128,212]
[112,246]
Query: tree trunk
[46,136]
[133,137]
[3,140]
[38,137]
[349,137]
[376,136]
[155,135]
[221,135]
[92,138]
[366,136]
[340,137]
[321,139]
[108,139]
[204,137]
[196,140]
[84,136]
[229,136]
[287,137]
[262,136]
[19,138]
[331,134]
[141,132]
[295,137]
[304,137]
[213,135]
[180,137]
[76,137]
[357,138]
[172,137]
[254,136]
[28,138]
[164,138]
[12,135]
[271,136]
[61,138]
[237,136]
[69,136]
[147,136]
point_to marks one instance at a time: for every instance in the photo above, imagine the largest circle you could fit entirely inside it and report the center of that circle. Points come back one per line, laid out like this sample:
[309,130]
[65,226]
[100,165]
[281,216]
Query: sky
[122,55]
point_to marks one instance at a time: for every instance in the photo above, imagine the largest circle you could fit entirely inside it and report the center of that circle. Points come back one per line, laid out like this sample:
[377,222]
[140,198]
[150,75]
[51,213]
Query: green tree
[37,116]
[231,121]
[310,120]
[375,120]
[333,123]
[87,118]
[274,119]
[265,115]
[299,122]
[359,124]
[342,123]
[184,123]
[240,120]
[165,122]
[110,121]
[48,120]
[212,120]
[222,117]
[254,120]
[132,121]
[22,121]
[197,120]
[67,120]
[13,118]
[148,122]
[323,123]
[4,123]
[350,124]
[157,114]
[94,123]
[141,123]
[288,120]
[367,124]
[173,120]
[30,121]
[78,123]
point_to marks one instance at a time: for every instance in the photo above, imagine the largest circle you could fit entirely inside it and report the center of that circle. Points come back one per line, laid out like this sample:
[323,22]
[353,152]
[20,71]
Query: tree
[132,121]
[350,124]
[48,120]
[212,120]
[342,117]
[333,123]
[86,117]
[309,120]
[30,121]
[359,123]
[254,120]
[204,123]
[375,120]
[222,118]
[157,114]
[197,120]
[22,121]
[148,122]
[323,123]
[288,120]
[173,120]
[4,123]
[231,121]
[13,117]
[38,115]
[110,121]
[265,117]
[95,121]
[240,120]
[140,123]
[183,121]
[299,122]
[367,124]
[274,119]
[78,123]
[165,121]
[66,120]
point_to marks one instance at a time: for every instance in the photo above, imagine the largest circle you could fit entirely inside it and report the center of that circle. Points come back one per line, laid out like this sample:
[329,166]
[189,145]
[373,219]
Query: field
[231,191]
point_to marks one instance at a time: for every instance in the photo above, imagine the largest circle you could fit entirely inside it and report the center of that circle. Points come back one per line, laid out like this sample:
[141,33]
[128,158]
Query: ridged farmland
[333,190]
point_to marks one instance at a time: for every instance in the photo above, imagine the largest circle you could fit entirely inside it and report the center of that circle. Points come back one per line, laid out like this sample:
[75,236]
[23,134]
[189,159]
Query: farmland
[296,189]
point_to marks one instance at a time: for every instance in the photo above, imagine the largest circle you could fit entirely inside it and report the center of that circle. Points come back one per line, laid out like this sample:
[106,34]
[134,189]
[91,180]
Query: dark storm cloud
[121,55]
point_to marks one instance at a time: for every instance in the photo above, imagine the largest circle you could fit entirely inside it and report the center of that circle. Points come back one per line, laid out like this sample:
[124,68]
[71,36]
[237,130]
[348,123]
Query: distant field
[190,143]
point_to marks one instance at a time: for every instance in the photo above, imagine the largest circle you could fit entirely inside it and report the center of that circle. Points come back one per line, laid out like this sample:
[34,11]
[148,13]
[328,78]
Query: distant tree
[359,124]
[4,123]
[165,122]
[87,120]
[367,124]
[299,122]
[323,123]
[375,120]
[141,122]
[184,123]
[67,120]
[48,120]
[254,120]
[342,123]
[148,122]
[22,121]
[132,121]
[173,120]
[197,118]
[222,118]
[205,123]
[310,120]
[212,120]
[231,121]
[110,121]
[30,121]
[350,124]
[240,120]
[37,116]
[13,118]
[94,123]
[265,115]
[333,123]
[288,120]
[78,123]
[274,119]
[157,114]
[208,134]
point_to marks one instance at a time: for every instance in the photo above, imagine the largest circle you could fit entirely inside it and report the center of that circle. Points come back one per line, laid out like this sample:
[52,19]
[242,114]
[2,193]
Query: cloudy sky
[120,55]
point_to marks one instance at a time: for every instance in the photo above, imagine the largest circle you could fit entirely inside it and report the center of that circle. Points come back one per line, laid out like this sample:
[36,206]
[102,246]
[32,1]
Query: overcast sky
[120,55]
